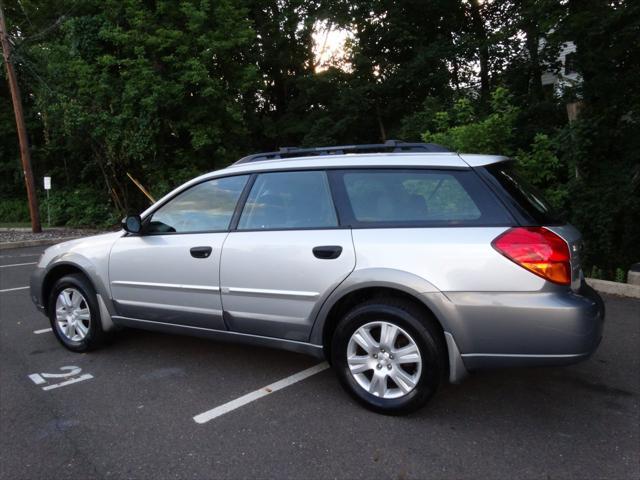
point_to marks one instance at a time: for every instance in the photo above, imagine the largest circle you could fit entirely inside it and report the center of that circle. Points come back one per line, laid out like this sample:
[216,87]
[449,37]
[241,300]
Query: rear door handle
[327,252]
[200,252]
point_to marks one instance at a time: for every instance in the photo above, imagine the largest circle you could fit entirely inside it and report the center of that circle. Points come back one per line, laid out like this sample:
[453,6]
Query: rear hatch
[531,209]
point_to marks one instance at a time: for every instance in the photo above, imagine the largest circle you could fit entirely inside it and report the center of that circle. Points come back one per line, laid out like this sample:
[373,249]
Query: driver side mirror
[132,224]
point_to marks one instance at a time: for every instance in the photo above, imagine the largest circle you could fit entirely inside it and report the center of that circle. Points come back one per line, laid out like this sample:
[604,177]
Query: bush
[14,210]
[82,207]
[542,167]
[462,130]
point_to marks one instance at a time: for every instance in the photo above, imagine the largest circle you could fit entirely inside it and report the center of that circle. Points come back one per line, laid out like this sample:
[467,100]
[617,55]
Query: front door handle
[200,252]
[327,252]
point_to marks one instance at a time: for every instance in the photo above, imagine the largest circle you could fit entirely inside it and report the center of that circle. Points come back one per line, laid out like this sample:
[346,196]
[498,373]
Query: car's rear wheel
[74,313]
[389,355]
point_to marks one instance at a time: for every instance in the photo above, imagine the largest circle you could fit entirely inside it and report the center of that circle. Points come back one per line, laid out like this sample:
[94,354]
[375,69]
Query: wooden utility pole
[25,155]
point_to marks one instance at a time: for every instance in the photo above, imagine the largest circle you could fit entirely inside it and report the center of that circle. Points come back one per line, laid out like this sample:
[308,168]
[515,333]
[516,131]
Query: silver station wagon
[404,265]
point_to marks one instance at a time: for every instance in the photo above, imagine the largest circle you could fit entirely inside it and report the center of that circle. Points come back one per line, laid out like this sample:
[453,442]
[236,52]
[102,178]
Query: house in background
[557,82]
[568,75]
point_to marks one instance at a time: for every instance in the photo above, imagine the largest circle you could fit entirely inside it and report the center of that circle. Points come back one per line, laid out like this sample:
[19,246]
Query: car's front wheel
[389,355]
[74,313]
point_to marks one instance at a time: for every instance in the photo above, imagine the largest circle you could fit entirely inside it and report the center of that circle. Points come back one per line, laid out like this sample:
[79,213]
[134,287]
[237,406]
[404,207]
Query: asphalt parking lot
[129,412]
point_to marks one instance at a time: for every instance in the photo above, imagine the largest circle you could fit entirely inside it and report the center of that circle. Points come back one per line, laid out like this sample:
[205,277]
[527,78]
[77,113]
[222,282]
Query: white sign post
[47,187]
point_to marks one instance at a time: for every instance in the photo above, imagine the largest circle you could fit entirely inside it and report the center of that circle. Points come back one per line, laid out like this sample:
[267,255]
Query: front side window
[205,207]
[420,197]
[289,200]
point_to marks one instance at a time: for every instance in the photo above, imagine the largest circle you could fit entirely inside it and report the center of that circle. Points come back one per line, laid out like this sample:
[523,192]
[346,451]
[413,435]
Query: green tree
[151,89]
[463,129]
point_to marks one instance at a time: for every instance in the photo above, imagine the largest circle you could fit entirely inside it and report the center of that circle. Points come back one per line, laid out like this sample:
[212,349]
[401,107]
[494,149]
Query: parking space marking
[18,264]
[21,255]
[40,378]
[86,376]
[257,394]
[13,289]
[44,330]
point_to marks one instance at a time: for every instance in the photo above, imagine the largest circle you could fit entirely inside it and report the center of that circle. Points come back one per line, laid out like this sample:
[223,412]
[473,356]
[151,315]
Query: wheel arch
[54,273]
[363,285]
[59,269]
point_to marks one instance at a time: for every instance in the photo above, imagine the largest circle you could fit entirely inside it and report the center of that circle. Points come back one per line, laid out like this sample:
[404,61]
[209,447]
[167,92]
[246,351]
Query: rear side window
[289,200]
[525,197]
[419,198]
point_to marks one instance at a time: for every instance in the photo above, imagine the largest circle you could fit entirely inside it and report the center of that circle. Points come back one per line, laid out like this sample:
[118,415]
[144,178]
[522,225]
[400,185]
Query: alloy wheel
[384,360]
[73,317]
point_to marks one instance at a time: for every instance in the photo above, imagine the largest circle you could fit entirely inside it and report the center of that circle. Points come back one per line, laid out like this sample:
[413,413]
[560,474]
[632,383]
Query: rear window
[419,197]
[525,196]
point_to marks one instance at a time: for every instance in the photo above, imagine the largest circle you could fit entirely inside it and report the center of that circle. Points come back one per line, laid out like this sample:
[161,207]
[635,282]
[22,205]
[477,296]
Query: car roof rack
[388,146]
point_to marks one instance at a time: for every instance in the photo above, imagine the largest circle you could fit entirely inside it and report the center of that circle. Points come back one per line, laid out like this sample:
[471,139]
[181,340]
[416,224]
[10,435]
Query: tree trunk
[535,70]
[483,49]
[383,132]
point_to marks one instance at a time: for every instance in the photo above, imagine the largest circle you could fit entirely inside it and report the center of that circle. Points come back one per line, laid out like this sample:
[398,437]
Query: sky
[329,46]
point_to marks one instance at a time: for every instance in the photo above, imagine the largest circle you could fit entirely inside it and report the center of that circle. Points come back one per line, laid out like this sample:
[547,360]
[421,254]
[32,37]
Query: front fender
[92,271]
[89,255]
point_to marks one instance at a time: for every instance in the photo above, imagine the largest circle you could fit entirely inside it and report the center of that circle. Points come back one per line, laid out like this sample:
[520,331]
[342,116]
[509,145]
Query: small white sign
[47,183]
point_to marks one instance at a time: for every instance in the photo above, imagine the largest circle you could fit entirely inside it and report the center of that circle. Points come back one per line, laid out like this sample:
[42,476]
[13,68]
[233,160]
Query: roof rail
[388,146]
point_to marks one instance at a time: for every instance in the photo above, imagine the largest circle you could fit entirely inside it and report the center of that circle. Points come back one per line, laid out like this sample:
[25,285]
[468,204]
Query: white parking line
[250,397]
[13,289]
[18,264]
[86,376]
[21,255]
[44,330]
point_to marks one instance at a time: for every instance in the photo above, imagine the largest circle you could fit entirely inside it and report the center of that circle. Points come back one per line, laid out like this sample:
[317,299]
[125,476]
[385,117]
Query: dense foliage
[165,90]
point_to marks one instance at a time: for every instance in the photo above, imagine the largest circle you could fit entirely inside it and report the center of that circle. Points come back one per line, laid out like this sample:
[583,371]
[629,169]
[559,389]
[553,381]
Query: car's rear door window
[420,197]
[289,200]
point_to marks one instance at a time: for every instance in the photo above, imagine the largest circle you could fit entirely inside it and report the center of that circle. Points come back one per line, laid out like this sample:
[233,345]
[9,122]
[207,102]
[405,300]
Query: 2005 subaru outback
[400,263]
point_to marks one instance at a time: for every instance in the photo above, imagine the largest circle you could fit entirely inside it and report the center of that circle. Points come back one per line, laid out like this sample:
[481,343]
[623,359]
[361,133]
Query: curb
[615,288]
[34,243]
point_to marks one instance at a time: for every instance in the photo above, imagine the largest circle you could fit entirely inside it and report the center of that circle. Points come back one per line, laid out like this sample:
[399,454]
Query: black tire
[95,336]
[415,321]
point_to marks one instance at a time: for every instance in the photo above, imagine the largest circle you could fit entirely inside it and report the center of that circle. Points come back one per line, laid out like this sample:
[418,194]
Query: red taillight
[538,250]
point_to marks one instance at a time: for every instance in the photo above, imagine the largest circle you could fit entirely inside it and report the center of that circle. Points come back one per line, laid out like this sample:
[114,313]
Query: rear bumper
[496,330]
